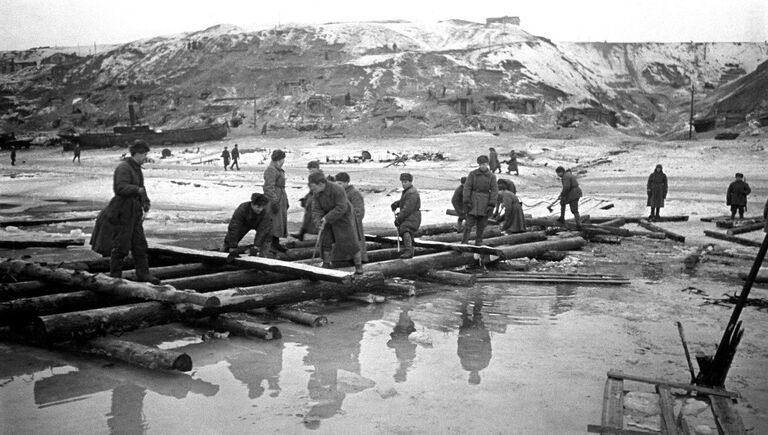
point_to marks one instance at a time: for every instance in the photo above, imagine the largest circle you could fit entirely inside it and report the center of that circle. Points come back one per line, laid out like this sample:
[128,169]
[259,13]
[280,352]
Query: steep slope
[436,76]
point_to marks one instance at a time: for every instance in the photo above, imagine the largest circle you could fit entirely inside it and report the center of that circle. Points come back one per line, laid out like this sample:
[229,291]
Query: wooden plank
[30,242]
[688,387]
[667,405]
[734,239]
[745,228]
[593,428]
[295,269]
[16,222]
[670,235]
[557,280]
[440,246]
[613,404]
[728,420]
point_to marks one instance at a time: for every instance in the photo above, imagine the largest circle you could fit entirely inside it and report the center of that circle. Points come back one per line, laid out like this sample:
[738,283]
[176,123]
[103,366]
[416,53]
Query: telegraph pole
[690,119]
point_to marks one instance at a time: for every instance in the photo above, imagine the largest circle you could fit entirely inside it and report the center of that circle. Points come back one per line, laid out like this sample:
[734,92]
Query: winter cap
[316,178]
[138,146]
[463,180]
[259,199]
[343,177]
[406,177]
[313,164]
[482,159]
[278,155]
[560,169]
[739,175]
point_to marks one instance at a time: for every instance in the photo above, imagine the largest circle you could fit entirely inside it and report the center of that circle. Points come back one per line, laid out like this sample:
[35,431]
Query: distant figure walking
[737,194]
[225,156]
[512,163]
[493,160]
[657,191]
[13,156]
[264,129]
[235,157]
[76,153]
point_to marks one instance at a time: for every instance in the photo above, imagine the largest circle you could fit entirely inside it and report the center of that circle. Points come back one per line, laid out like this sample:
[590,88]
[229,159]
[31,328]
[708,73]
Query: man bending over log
[119,227]
[333,215]
[306,202]
[409,218]
[250,215]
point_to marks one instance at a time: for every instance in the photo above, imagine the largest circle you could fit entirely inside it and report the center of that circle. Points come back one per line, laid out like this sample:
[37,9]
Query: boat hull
[153,138]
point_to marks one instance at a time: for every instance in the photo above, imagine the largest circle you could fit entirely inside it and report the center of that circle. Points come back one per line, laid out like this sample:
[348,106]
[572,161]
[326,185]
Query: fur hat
[739,175]
[482,159]
[406,177]
[138,146]
[278,155]
[343,177]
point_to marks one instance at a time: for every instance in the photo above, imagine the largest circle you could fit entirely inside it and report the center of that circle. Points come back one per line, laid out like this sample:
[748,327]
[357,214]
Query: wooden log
[551,256]
[552,274]
[618,222]
[761,277]
[452,278]
[367,298]
[243,327]
[28,222]
[296,316]
[134,353]
[23,289]
[727,419]
[677,385]
[734,239]
[670,235]
[104,284]
[22,309]
[623,232]
[19,243]
[225,280]
[649,234]
[745,228]
[593,428]
[295,269]
[613,404]
[731,223]
[179,271]
[397,287]
[554,280]
[604,238]
[304,253]
[667,406]
[490,231]
[440,246]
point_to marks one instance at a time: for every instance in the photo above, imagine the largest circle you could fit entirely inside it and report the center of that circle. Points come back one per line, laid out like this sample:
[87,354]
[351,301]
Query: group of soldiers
[234,155]
[334,210]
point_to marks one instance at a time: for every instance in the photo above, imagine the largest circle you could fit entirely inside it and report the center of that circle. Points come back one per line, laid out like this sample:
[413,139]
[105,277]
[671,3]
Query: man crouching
[250,215]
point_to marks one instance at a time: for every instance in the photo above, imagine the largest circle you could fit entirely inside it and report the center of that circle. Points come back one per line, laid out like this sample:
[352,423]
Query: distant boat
[9,140]
[123,136]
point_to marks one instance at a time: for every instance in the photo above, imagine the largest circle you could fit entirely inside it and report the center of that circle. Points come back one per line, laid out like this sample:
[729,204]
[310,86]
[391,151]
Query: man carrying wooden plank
[333,215]
[408,220]
[250,215]
[119,227]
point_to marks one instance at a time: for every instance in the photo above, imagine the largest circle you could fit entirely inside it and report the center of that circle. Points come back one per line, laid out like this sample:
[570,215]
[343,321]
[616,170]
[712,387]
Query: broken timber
[298,270]
[670,235]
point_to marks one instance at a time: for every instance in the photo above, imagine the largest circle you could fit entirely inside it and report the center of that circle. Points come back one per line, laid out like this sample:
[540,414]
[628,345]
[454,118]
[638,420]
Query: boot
[577,219]
[326,259]
[465,237]
[116,265]
[277,246]
[357,259]
[142,270]
[299,235]
[408,246]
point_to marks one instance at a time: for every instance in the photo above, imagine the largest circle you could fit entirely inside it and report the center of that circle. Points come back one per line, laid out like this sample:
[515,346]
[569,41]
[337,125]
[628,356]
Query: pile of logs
[734,227]
[78,308]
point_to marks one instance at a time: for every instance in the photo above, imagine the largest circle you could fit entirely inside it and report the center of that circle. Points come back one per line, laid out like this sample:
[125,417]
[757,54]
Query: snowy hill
[424,77]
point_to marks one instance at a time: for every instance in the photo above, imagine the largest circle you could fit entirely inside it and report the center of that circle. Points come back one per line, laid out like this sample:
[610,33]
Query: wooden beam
[679,385]
[295,269]
[593,428]
[613,404]
[242,326]
[734,239]
[727,419]
[618,222]
[667,406]
[746,228]
[670,235]
[134,353]
[762,275]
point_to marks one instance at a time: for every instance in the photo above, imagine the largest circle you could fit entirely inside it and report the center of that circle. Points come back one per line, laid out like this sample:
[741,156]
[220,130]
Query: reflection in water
[126,416]
[564,297]
[405,350]
[474,343]
[252,368]
[328,351]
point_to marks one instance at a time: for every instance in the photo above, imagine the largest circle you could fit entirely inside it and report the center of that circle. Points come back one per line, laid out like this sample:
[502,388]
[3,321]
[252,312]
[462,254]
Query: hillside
[412,78]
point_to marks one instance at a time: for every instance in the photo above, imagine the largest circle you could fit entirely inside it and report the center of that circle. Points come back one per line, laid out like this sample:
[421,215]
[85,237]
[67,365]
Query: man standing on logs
[408,220]
[274,189]
[458,205]
[307,227]
[481,192]
[335,220]
[250,215]
[737,194]
[119,227]
[657,192]
[358,207]
[569,195]
[225,156]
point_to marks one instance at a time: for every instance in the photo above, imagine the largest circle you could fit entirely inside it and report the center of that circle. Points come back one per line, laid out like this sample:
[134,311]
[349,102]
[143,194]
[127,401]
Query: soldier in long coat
[307,226]
[274,189]
[481,192]
[458,205]
[569,195]
[358,207]
[119,227]
[512,163]
[225,156]
[736,196]
[493,160]
[235,157]
[334,217]
[657,191]
[408,219]
[513,220]
[250,215]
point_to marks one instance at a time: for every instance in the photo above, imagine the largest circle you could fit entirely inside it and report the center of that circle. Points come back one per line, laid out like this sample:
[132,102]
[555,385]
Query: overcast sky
[30,23]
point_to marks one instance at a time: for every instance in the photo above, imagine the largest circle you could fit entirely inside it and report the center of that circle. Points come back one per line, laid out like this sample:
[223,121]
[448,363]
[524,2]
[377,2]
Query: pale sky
[30,23]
